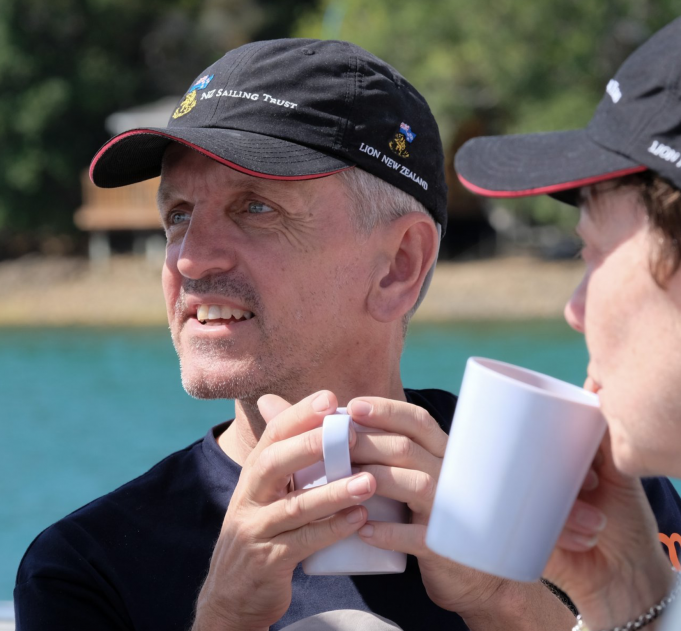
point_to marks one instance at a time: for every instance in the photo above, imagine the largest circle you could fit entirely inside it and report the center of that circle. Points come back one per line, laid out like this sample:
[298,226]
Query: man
[303,195]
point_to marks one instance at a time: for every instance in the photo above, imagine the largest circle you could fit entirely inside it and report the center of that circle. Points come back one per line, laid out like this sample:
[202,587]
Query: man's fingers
[304,541]
[394,450]
[409,538]
[269,474]
[270,405]
[403,418]
[296,419]
[414,488]
[300,508]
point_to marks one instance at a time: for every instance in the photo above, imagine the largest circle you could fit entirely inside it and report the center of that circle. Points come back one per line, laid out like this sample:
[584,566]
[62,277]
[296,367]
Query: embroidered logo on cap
[396,166]
[408,133]
[665,152]
[186,106]
[201,83]
[398,144]
[613,89]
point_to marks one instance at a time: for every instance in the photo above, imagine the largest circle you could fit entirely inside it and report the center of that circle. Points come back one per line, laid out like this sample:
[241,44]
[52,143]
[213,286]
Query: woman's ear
[411,244]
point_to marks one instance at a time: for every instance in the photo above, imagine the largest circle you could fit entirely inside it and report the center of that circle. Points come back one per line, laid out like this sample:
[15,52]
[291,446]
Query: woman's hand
[608,558]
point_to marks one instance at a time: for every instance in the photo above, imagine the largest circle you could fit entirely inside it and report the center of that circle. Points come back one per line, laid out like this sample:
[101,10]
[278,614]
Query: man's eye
[177,218]
[259,207]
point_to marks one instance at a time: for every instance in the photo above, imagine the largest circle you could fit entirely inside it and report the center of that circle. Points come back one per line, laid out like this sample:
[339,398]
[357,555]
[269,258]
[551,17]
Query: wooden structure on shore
[127,210]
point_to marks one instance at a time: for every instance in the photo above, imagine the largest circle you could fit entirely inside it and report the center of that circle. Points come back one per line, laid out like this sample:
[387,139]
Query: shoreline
[126,291]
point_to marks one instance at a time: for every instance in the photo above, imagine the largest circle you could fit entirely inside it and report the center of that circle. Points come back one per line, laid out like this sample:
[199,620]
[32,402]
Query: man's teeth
[220,312]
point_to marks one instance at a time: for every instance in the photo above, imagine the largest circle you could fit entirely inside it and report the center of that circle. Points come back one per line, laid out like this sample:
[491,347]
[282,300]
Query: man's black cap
[295,109]
[636,127]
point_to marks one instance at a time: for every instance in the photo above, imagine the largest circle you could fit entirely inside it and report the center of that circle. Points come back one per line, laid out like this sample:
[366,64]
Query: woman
[624,173]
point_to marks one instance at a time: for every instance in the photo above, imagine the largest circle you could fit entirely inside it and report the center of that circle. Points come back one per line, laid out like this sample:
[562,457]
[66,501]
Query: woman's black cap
[636,127]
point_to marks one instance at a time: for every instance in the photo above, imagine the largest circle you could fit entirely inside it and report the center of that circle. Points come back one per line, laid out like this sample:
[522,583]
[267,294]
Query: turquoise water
[84,410]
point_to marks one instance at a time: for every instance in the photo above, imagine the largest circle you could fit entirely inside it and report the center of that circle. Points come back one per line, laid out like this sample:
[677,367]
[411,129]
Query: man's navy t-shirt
[137,557]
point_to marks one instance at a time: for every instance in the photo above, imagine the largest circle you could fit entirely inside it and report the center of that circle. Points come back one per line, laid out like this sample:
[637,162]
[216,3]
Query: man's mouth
[221,314]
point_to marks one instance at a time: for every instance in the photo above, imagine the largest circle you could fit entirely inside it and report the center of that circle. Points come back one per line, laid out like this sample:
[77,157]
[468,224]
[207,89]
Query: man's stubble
[271,369]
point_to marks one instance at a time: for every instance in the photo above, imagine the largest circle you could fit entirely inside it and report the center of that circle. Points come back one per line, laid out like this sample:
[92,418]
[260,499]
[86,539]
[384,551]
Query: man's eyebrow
[266,187]
[167,195]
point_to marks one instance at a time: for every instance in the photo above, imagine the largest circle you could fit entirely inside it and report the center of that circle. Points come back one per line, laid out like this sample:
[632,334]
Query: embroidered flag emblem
[201,83]
[408,133]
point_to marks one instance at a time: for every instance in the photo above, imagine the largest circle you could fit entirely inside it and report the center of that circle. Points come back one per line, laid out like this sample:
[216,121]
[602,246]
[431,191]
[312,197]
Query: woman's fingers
[583,527]
[576,542]
[586,518]
[590,481]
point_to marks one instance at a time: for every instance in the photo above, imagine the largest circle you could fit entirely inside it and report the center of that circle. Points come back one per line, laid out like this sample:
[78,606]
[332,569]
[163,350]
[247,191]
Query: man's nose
[207,247]
[576,307]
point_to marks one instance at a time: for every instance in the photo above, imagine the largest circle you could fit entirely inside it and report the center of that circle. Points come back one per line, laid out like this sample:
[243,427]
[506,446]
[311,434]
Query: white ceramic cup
[520,446]
[350,555]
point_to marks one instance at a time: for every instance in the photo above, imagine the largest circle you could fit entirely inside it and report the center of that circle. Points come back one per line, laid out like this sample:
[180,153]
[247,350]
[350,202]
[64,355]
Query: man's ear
[410,245]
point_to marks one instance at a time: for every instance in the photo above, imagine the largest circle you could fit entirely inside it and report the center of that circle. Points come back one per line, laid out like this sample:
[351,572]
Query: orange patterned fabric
[670,542]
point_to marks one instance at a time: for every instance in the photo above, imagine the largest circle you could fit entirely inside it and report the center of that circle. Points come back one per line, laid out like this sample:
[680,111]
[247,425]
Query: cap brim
[137,154]
[556,164]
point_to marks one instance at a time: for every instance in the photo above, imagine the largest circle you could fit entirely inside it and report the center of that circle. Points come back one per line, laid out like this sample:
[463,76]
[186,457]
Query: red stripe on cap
[213,156]
[554,188]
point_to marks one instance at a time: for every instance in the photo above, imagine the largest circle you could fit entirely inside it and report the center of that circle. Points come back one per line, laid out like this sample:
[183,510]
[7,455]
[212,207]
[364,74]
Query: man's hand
[268,529]
[406,464]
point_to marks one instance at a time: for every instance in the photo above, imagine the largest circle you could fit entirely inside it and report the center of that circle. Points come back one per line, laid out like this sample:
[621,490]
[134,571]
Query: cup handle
[336,446]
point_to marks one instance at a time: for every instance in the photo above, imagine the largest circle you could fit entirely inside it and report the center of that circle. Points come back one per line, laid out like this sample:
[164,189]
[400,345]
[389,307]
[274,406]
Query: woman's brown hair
[663,205]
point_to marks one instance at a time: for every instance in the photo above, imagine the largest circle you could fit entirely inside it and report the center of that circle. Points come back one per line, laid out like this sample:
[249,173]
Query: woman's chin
[631,458]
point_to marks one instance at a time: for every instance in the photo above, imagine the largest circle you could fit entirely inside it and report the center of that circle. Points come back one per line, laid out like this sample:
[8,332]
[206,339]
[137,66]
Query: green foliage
[513,65]
[65,65]
[516,65]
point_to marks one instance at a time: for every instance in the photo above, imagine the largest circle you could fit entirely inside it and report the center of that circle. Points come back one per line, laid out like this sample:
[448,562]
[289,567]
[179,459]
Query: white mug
[520,446]
[350,555]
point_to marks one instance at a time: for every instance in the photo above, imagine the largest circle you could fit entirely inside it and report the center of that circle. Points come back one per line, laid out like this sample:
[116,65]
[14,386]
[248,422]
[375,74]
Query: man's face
[632,329]
[272,267]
